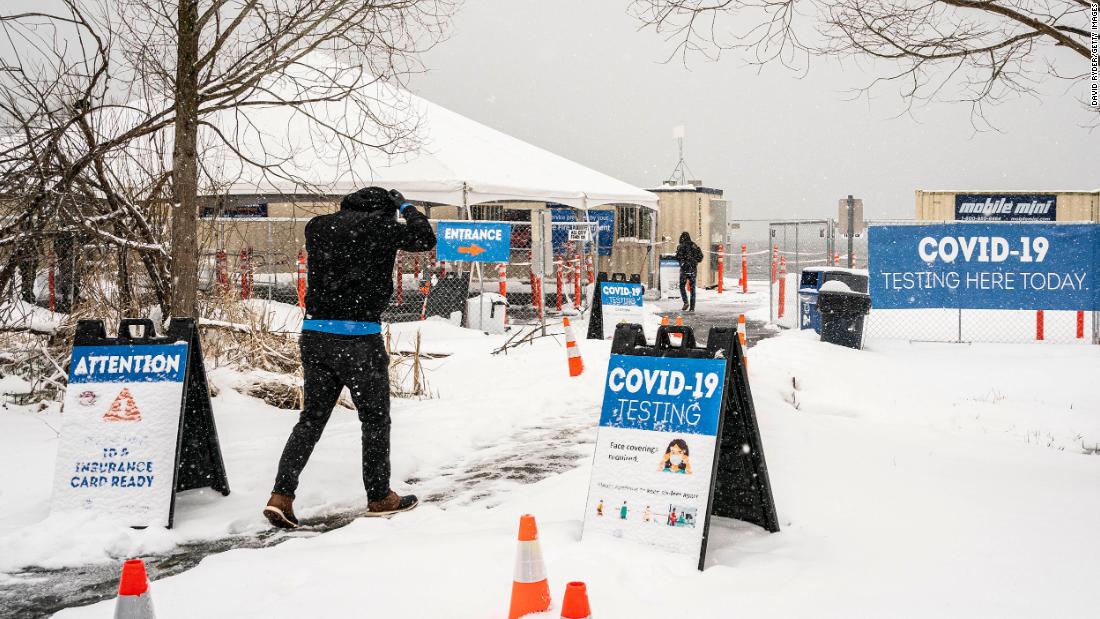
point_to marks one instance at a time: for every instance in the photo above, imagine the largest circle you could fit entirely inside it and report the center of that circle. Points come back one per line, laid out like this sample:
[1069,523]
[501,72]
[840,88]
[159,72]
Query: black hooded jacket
[352,252]
[688,254]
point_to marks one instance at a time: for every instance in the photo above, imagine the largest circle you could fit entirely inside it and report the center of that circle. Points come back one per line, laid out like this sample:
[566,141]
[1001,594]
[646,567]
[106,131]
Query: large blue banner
[1014,266]
[473,241]
[663,394]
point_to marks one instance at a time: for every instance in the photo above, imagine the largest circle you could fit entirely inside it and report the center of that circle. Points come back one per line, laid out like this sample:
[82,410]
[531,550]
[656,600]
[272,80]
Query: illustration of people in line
[647,515]
[672,517]
[677,458]
[622,511]
[599,508]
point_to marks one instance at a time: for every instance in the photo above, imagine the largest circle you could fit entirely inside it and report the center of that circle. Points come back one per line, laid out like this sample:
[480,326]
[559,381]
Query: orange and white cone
[741,335]
[134,599]
[530,589]
[576,364]
[575,603]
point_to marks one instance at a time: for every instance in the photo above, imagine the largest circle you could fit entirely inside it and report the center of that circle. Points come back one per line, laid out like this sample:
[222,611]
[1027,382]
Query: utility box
[487,312]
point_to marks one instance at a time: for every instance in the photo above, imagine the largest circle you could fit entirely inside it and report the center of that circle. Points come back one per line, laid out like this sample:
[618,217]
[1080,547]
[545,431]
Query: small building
[699,211]
[1034,206]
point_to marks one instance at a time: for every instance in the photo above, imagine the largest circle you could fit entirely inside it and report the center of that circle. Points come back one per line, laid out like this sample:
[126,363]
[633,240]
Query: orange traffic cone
[676,338]
[530,589]
[741,334]
[575,604]
[134,599]
[576,364]
[664,321]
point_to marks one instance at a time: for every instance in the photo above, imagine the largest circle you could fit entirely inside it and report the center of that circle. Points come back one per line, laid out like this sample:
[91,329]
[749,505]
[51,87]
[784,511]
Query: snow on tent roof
[453,155]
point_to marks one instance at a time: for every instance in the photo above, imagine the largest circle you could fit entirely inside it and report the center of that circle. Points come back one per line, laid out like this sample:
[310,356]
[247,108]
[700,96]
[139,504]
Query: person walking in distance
[351,259]
[689,256]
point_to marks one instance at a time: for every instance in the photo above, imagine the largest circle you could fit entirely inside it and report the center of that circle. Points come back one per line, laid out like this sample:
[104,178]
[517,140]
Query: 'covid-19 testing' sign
[654,462]
[117,454]
[471,241]
[620,302]
[985,266]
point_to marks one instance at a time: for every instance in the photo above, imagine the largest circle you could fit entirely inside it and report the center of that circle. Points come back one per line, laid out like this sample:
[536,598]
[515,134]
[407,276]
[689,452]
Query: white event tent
[450,159]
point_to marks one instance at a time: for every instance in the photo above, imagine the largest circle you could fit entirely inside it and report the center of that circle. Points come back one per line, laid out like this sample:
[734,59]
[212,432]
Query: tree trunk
[185,168]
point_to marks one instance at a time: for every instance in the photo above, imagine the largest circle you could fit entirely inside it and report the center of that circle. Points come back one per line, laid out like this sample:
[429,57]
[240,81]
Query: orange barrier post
[425,289]
[1080,325]
[782,285]
[530,588]
[836,259]
[577,285]
[1039,325]
[775,260]
[573,353]
[246,288]
[51,279]
[221,271]
[575,603]
[502,277]
[558,264]
[302,279]
[664,321]
[134,600]
[744,269]
[721,264]
[591,271]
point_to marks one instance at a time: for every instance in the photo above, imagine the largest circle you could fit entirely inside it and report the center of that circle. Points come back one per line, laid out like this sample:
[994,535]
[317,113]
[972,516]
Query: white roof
[453,155]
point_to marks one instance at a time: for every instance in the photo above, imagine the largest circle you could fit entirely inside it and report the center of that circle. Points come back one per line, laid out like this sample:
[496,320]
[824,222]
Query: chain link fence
[550,270]
[814,243]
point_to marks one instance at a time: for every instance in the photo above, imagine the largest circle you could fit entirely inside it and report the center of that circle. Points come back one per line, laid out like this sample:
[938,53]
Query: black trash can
[842,316]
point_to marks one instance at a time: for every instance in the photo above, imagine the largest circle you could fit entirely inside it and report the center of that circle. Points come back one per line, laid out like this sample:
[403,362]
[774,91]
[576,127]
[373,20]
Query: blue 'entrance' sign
[985,266]
[473,241]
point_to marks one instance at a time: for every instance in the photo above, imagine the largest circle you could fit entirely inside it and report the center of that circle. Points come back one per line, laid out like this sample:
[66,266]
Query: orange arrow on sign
[473,249]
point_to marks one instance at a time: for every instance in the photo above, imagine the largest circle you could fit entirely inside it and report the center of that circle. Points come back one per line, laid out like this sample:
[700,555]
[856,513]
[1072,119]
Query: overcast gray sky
[577,78]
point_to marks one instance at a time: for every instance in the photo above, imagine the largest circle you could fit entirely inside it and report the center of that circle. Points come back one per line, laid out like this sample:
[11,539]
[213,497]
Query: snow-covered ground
[910,479]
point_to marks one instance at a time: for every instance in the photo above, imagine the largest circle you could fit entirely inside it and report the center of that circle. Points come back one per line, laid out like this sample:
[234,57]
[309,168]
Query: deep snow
[910,480]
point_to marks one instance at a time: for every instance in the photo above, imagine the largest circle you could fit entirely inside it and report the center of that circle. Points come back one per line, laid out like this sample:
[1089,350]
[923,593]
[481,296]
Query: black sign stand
[595,313]
[198,453]
[740,487]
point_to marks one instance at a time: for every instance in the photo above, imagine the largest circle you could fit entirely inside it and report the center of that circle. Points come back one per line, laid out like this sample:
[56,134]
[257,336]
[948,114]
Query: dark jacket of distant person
[352,253]
[688,254]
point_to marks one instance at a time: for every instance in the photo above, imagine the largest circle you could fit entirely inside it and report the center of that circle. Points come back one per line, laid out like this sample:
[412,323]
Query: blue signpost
[473,241]
[985,266]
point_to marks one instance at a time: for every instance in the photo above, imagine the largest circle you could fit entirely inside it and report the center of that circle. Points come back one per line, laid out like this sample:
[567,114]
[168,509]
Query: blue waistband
[342,327]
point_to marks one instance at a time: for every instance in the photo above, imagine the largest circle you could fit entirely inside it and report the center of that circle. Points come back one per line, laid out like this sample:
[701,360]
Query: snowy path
[533,453]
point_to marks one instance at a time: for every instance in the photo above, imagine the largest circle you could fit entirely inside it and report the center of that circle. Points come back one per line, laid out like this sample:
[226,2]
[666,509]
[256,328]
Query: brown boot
[392,504]
[280,512]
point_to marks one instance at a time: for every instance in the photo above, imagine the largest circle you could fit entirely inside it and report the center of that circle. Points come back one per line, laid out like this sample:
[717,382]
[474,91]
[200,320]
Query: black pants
[684,279]
[331,362]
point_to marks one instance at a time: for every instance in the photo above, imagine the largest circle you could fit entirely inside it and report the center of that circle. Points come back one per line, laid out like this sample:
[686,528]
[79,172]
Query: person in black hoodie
[351,258]
[689,256]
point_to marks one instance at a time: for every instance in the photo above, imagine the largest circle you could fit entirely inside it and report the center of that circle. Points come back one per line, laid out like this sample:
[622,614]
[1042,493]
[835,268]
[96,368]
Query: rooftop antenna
[680,172]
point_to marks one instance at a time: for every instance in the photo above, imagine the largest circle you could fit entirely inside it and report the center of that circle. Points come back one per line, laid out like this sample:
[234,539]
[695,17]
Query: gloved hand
[399,201]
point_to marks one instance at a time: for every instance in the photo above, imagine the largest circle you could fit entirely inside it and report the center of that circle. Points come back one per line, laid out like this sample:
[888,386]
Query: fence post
[721,264]
[1039,325]
[52,280]
[782,285]
[302,278]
